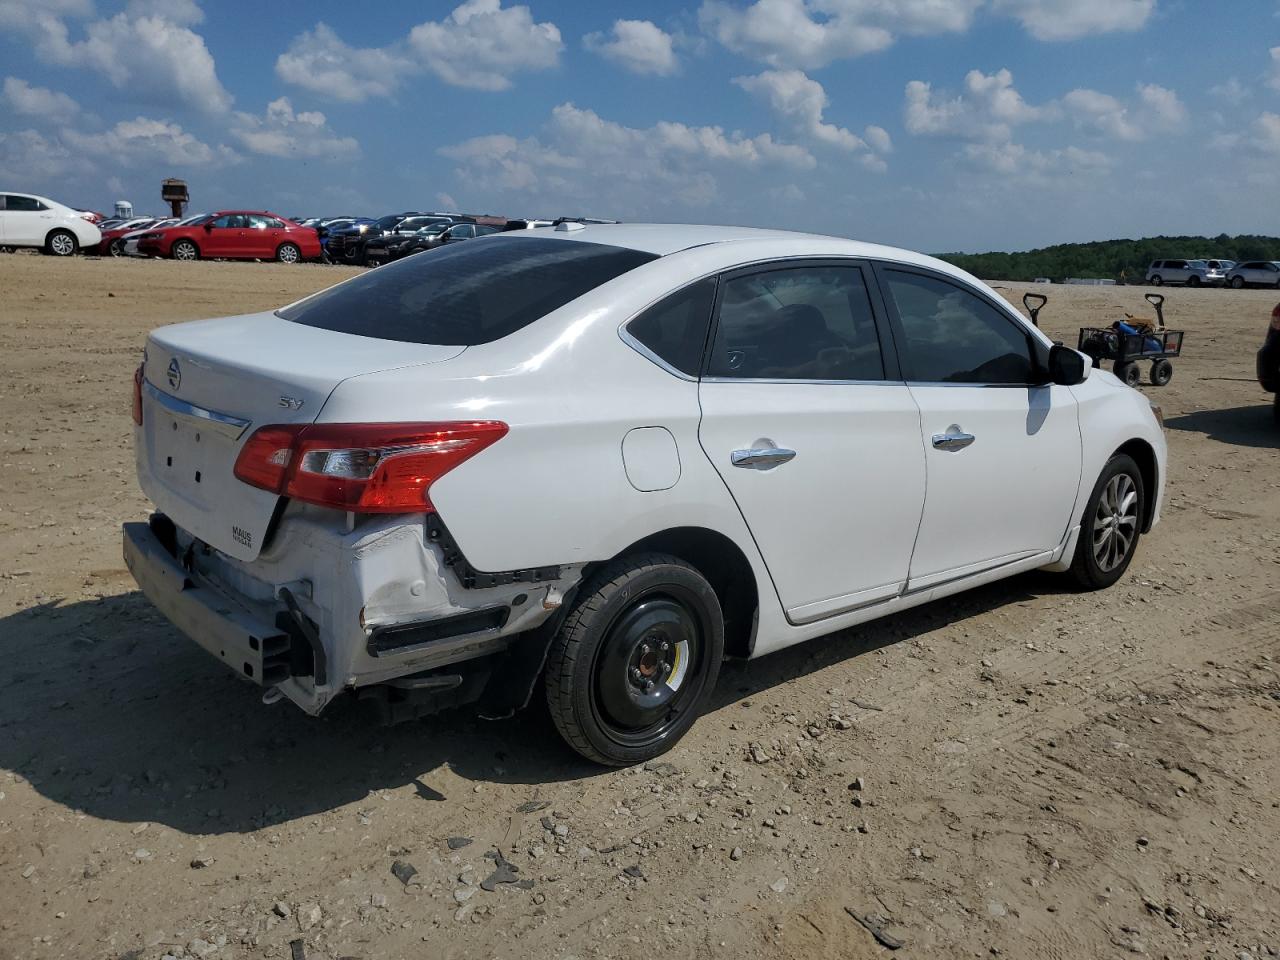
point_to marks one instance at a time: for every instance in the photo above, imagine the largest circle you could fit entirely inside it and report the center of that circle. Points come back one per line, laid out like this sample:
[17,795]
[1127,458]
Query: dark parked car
[1269,360]
[426,233]
[346,244]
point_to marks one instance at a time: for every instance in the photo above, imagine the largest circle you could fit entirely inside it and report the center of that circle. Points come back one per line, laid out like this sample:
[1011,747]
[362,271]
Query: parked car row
[1215,273]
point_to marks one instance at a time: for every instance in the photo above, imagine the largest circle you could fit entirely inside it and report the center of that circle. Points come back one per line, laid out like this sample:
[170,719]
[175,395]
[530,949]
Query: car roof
[667,238]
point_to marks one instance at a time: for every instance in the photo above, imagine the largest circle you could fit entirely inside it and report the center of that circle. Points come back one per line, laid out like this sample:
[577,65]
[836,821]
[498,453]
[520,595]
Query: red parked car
[234,234]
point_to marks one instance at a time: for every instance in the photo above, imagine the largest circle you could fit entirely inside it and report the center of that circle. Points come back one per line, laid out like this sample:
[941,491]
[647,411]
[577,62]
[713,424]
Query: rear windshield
[466,293]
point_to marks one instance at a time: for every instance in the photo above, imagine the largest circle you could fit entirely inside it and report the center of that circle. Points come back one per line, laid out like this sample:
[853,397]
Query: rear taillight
[1275,318]
[361,467]
[137,395]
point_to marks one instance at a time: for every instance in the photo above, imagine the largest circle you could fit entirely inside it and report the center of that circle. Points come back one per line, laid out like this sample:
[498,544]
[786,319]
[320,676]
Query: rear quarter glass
[466,294]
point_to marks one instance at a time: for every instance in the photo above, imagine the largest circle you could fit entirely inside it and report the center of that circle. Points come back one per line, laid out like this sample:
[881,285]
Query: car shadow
[1251,426]
[106,709]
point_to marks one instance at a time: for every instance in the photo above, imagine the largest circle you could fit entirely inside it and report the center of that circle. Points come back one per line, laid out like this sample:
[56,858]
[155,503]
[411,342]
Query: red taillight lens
[362,467]
[137,395]
[265,457]
[1275,318]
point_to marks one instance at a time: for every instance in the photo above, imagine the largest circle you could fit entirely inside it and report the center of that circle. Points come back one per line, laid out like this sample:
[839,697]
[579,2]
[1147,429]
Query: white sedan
[603,458]
[27,220]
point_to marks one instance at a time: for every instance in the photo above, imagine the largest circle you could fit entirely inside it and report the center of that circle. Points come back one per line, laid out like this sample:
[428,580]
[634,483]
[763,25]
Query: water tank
[124,209]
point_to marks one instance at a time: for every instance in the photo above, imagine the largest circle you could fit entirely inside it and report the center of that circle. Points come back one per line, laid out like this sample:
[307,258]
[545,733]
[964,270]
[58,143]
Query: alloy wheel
[184,251]
[62,245]
[1115,522]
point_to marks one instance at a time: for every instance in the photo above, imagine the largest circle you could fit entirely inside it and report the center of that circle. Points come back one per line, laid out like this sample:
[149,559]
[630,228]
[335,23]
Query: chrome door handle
[761,458]
[952,441]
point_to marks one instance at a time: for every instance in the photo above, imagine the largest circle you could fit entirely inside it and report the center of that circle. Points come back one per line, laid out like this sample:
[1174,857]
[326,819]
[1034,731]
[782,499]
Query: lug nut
[664,646]
[644,649]
[635,673]
[648,686]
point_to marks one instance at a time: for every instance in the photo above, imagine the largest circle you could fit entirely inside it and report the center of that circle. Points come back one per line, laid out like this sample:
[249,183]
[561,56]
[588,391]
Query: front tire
[184,250]
[1157,280]
[288,253]
[1193,281]
[61,243]
[1161,373]
[1111,526]
[633,664]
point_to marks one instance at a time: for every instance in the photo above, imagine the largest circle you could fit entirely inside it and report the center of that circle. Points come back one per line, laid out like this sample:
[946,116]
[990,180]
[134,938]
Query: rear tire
[1128,372]
[184,250]
[1237,283]
[1193,281]
[1275,408]
[633,664]
[61,243]
[1161,373]
[1111,526]
[289,253]
[116,249]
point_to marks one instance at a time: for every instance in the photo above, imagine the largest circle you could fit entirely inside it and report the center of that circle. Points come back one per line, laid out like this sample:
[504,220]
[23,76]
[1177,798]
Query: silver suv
[1263,273]
[1191,272]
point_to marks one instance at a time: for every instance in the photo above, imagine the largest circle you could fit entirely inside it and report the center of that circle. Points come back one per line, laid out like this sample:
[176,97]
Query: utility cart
[1132,341]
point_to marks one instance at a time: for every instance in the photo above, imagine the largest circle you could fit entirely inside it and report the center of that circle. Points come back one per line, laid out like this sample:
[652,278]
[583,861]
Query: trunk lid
[210,384]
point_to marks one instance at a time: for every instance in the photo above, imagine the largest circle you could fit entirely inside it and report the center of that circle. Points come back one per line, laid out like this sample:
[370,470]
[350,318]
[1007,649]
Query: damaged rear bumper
[327,608]
[251,647]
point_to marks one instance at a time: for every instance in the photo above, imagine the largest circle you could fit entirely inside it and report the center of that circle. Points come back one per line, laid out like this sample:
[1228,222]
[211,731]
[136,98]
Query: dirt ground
[1022,771]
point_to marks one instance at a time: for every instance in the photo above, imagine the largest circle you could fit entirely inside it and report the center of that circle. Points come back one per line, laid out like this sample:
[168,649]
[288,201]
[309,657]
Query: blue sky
[933,124]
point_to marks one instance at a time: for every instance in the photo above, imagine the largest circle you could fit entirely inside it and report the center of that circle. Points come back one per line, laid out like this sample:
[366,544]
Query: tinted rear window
[466,293]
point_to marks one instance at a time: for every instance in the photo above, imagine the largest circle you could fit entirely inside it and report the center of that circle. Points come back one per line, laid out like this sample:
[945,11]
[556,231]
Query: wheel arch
[1144,456]
[48,237]
[726,568]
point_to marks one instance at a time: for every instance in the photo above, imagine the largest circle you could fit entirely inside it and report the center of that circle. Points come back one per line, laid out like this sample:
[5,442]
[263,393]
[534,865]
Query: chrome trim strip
[223,423]
[649,355]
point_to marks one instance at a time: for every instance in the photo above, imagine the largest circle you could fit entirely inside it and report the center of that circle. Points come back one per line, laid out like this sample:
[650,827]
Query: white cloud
[1017,161]
[148,49]
[479,45]
[42,103]
[1273,77]
[30,157]
[637,45]
[878,138]
[801,101]
[1261,139]
[281,132]
[1157,110]
[1072,19]
[582,157]
[812,33]
[143,140]
[318,60]
[988,108]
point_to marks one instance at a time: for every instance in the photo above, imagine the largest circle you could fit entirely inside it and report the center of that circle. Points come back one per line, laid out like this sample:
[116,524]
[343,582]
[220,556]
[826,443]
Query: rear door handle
[952,441]
[761,458]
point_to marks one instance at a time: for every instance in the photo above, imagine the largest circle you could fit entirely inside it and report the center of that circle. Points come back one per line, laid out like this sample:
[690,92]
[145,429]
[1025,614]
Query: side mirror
[1066,366]
[208,226]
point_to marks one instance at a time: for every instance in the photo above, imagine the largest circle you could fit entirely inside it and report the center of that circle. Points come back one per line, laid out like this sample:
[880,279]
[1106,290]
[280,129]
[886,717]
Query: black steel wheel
[631,667]
[1111,525]
[1161,372]
[1157,280]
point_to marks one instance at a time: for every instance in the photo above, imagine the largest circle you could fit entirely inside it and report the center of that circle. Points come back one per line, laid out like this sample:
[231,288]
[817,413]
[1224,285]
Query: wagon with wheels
[1133,341]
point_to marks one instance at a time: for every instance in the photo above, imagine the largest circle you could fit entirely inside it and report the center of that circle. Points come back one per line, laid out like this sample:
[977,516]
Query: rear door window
[797,323]
[675,329]
[465,294]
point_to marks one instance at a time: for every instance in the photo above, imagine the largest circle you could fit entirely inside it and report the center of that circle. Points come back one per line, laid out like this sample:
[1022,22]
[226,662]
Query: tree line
[1112,259]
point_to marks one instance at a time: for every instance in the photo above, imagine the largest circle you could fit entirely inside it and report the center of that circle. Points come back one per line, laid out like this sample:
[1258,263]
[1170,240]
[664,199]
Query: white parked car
[607,456]
[30,221]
